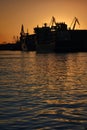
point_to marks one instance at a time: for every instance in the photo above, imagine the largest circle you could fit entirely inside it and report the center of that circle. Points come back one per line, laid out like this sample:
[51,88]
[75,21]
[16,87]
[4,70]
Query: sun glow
[31,13]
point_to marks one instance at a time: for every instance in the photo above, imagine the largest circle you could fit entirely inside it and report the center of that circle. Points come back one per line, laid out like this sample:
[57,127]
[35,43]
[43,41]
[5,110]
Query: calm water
[43,91]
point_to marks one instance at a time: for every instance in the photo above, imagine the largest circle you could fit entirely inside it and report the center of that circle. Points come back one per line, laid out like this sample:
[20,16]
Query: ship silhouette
[55,37]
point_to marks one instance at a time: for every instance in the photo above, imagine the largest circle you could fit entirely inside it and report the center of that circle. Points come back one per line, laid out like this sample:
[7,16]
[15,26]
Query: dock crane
[75,20]
[57,26]
[53,22]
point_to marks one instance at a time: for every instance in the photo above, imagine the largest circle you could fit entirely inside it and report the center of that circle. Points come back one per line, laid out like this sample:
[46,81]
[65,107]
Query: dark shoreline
[10,46]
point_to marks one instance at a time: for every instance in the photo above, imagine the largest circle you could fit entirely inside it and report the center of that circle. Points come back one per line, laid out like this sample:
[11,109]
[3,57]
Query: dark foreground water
[43,91]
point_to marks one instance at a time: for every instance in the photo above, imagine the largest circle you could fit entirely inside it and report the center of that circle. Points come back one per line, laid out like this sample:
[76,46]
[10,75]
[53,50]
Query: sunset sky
[30,13]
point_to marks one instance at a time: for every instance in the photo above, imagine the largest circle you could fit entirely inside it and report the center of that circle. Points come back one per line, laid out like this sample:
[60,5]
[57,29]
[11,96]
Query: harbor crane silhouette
[75,20]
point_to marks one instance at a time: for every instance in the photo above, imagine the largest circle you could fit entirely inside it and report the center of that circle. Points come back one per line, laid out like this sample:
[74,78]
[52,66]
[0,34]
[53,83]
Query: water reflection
[43,91]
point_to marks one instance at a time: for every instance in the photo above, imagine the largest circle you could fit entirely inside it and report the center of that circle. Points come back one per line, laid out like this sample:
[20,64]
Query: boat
[56,37]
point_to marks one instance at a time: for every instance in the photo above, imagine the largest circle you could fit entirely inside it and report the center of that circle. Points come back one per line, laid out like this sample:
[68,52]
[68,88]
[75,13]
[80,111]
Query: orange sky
[14,13]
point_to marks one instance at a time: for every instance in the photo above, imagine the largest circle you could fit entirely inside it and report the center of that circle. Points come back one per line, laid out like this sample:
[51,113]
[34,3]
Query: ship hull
[45,47]
[77,42]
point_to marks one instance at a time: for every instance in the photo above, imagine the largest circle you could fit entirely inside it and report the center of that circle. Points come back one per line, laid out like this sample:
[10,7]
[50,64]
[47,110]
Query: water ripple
[43,91]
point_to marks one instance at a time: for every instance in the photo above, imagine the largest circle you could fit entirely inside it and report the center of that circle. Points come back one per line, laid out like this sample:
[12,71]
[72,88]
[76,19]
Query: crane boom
[75,20]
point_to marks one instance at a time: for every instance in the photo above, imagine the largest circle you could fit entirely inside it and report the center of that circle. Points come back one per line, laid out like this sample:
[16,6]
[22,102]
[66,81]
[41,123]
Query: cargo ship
[56,37]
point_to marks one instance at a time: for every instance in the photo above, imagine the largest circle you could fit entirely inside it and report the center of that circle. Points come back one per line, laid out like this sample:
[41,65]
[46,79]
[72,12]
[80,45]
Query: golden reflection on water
[47,86]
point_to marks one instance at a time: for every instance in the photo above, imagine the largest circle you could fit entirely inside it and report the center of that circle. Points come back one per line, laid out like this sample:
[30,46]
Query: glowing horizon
[30,13]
